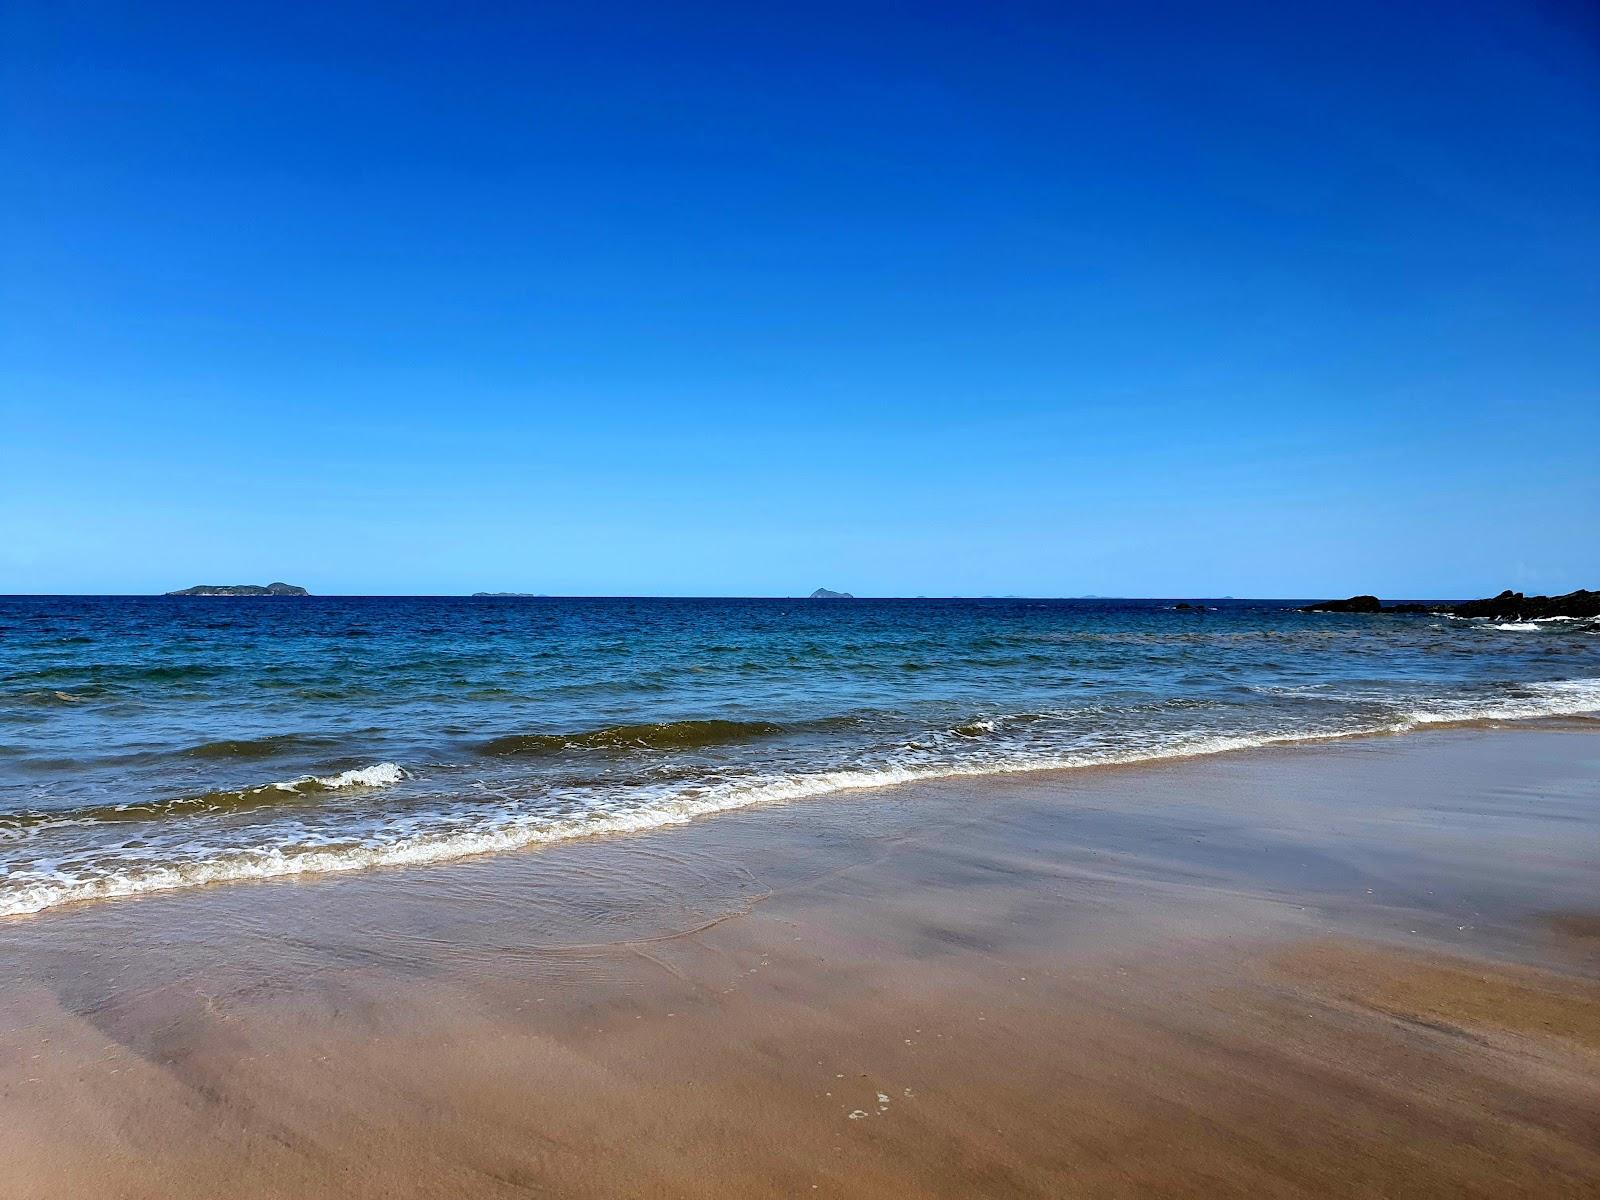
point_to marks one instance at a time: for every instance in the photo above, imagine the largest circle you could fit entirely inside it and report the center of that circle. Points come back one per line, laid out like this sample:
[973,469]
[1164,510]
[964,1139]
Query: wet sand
[1359,969]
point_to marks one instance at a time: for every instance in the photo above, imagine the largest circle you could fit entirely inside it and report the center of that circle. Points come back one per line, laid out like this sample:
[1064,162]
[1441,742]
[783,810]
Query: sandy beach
[734,601]
[1364,968]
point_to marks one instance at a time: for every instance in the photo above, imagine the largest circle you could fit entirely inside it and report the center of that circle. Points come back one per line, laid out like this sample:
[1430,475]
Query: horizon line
[1178,596]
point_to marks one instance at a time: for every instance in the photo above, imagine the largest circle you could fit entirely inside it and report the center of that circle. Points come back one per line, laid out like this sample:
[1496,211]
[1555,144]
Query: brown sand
[1353,970]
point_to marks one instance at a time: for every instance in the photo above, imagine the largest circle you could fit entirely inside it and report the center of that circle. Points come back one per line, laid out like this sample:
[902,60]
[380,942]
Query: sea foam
[430,838]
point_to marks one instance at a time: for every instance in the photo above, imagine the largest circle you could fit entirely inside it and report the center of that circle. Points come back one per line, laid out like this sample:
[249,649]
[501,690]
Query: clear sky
[1123,298]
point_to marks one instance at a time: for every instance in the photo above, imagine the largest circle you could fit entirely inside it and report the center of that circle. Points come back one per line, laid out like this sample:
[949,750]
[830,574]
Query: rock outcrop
[827,594]
[1514,606]
[1356,604]
[1507,606]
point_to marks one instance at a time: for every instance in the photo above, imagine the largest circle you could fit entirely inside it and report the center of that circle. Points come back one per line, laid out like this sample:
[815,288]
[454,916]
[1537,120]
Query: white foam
[384,774]
[30,892]
[1558,698]
[24,892]
[1545,624]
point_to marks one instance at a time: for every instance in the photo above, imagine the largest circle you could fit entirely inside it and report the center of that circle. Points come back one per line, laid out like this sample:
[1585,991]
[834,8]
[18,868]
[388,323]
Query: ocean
[155,743]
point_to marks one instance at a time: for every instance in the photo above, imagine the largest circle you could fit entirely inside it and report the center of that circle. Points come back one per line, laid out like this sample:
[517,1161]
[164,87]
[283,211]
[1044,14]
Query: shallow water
[156,743]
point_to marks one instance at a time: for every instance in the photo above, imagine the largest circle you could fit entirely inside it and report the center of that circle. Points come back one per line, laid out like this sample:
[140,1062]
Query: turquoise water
[156,743]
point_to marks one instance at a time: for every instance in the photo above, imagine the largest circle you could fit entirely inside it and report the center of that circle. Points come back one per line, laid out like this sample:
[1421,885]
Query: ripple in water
[138,733]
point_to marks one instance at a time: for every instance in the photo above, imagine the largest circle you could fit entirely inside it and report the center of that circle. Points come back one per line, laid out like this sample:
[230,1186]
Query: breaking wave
[380,775]
[1550,625]
[494,822]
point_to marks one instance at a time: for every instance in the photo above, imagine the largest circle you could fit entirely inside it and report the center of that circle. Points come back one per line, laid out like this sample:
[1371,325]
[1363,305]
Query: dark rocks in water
[1356,604]
[1507,606]
[826,594]
[1185,606]
[522,595]
[1514,606]
[241,589]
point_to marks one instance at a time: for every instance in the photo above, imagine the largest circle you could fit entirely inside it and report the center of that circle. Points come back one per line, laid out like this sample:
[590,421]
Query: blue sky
[1049,299]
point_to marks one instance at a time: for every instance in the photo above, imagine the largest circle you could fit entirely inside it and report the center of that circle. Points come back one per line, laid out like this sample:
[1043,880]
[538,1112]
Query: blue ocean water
[149,743]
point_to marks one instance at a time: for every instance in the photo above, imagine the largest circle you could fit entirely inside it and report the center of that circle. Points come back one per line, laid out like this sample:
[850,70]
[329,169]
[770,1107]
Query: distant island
[1507,606]
[1367,604]
[489,594]
[829,594]
[241,589]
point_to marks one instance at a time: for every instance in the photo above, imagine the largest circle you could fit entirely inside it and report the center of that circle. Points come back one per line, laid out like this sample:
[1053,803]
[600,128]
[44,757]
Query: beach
[735,602]
[152,744]
[1360,967]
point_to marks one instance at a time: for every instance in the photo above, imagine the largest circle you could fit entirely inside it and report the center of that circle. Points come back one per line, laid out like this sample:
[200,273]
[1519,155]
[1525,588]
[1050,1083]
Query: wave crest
[665,735]
[459,832]
[379,775]
[263,747]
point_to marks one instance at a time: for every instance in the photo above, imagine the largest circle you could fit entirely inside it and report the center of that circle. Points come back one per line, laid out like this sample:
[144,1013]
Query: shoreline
[1339,969]
[436,850]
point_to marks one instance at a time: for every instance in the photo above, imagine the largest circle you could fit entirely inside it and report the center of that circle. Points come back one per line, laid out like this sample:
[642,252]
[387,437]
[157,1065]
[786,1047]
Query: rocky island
[828,594]
[241,589]
[1361,604]
[1507,606]
[1514,606]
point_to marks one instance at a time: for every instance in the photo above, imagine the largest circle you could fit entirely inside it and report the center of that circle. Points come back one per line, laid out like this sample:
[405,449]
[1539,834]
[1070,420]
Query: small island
[493,595]
[829,594]
[241,589]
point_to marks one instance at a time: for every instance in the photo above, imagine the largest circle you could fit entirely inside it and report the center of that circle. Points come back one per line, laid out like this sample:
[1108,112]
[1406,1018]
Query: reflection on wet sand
[1353,970]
